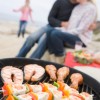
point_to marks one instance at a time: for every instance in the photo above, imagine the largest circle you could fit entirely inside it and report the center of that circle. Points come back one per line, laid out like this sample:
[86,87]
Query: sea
[40,10]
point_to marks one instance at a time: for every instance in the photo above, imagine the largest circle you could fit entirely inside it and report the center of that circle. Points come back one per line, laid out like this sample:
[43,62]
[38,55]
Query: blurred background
[9,24]
[40,10]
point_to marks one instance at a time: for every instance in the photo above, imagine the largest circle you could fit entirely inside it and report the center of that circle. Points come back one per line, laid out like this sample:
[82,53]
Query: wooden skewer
[1,91]
[3,98]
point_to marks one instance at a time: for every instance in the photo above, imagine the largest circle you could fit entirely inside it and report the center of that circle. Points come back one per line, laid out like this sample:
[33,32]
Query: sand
[10,44]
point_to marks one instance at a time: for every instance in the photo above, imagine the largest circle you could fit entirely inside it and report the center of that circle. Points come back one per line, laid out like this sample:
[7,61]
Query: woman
[26,11]
[77,29]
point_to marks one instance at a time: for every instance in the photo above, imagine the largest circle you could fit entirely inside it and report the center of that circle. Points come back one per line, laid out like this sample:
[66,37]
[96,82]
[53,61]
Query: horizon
[40,9]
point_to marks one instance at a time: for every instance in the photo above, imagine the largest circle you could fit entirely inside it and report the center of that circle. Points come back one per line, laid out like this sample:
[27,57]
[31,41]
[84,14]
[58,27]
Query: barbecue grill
[89,85]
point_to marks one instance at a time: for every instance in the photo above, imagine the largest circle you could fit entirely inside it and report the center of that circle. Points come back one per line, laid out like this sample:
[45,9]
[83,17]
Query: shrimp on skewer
[32,96]
[74,97]
[57,95]
[62,73]
[18,89]
[33,72]
[12,75]
[76,79]
[51,70]
[24,97]
[36,88]
[86,95]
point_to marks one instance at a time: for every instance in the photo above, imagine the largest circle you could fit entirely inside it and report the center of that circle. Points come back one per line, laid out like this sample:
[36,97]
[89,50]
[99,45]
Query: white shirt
[83,15]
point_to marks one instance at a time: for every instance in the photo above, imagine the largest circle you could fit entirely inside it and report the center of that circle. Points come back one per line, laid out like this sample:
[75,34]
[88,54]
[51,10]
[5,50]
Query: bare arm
[17,10]
[30,13]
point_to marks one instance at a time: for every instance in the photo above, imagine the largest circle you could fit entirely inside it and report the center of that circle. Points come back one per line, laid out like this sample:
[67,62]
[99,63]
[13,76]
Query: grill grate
[20,64]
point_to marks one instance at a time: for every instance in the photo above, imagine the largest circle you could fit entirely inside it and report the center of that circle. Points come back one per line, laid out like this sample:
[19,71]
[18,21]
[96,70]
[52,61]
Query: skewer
[2,98]
[1,91]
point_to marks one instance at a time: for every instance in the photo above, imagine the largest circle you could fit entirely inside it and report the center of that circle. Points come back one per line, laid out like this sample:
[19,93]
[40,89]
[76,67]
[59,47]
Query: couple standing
[69,21]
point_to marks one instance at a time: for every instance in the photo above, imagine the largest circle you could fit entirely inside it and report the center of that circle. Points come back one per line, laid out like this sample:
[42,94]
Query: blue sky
[40,8]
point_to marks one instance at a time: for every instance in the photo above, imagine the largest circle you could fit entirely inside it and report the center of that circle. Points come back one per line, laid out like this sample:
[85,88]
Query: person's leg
[58,39]
[49,44]
[24,28]
[31,40]
[20,26]
[39,51]
[52,56]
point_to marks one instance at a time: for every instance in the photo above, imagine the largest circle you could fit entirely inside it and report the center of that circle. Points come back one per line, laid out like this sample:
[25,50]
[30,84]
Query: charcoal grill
[89,85]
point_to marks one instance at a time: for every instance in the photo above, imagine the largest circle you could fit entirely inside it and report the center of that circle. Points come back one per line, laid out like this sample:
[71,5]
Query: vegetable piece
[64,98]
[30,88]
[27,88]
[33,95]
[7,89]
[49,92]
[44,87]
[15,97]
[5,93]
[50,95]
[10,97]
[66,93]
[56,84]
[61,86]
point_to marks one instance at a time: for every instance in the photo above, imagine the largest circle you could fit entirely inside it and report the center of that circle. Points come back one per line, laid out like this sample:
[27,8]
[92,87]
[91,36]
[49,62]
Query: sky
[98,8]
[40,8]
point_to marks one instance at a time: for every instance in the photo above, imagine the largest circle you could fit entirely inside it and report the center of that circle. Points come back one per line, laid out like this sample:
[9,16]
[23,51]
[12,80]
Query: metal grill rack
[90,85]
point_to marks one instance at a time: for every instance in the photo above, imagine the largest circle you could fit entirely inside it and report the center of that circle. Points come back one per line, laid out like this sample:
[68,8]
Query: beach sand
[10,44]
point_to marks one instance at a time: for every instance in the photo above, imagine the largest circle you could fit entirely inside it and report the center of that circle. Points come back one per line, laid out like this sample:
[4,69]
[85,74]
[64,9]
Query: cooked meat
[51,70]
[76,79]
[12,75]
[62,73]
[33,72]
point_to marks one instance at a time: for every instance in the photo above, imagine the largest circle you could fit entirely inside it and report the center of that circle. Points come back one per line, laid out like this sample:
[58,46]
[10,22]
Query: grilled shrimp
[24,97]
[57,95]
[51,70]
[50,86]
[76,79]
[12,75]
[87,96]
[73,97]
[71,90]
[33,72]
[36,88]
[62,73]
[18,89]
